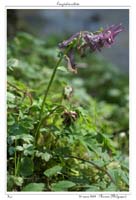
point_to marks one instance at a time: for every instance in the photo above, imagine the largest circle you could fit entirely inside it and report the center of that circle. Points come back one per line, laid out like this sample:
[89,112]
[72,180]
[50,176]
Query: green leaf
[19,148]
[99,162]
[26,138]
[17,129]
[62,185]
[63,69]
[11,119]
[28,149]
[10,97]
[34,187]
[11,150]
[111,187]
[19,181]
[12,63]
[26,167]
[53,171]
[14,180]
[46,156]
[93,188]
[124,177]
[115,175]
[92,145]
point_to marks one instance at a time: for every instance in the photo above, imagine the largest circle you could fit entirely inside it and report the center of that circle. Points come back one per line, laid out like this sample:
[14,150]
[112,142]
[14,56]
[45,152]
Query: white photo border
[132,107]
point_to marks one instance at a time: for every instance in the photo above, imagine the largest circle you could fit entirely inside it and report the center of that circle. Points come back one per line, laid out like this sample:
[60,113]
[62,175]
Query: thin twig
[94,164]
[10,84]
[26,93]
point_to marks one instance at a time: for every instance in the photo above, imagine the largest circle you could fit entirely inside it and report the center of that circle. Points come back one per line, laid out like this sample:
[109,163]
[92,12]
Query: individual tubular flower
[83,40]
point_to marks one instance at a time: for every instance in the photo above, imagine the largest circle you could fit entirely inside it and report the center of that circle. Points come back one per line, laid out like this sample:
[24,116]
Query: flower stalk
[79,42]
[47,92]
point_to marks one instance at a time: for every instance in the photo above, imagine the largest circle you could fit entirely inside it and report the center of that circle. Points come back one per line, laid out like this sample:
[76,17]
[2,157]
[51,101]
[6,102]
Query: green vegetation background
[87,151]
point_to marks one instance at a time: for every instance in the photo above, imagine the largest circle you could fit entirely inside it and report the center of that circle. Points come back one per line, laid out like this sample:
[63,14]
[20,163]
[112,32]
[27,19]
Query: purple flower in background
[86,40]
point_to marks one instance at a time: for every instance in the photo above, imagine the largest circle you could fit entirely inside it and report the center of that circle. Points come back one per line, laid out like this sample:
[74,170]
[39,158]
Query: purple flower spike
[67,42]
[109,34]
[115,30]
[83,40]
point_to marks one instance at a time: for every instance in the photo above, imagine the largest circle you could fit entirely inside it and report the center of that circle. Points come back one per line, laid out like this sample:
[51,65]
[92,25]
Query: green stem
[46,94]
[45,97]
[15,158]
[18,164]
[48,87]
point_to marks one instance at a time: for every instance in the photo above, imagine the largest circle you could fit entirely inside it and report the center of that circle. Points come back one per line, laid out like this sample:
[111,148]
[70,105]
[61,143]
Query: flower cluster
[83,40]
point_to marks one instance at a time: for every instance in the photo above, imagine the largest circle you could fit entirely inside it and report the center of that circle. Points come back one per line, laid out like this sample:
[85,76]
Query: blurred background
[61,23]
